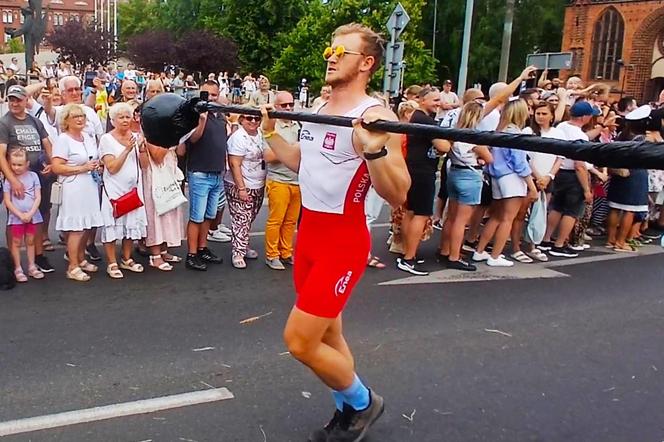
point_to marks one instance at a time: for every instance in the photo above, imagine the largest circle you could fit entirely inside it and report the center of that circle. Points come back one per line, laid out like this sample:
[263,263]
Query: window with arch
[607,45]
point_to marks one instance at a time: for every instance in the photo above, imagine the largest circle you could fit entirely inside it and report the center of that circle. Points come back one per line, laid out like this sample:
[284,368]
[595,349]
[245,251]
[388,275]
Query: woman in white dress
[123,154]
[76,162]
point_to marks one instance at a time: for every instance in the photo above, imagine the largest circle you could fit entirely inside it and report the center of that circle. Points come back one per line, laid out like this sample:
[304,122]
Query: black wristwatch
[375,155]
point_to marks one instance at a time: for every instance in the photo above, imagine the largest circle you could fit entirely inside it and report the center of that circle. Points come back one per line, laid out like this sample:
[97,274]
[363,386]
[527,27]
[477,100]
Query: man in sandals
[335,168]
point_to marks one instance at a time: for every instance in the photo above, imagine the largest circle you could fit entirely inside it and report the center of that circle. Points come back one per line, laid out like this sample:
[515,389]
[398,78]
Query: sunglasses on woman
[339,51]
[253,119]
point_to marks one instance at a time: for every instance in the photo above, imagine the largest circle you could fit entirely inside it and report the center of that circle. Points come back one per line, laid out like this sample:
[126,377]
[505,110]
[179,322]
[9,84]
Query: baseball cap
[447,82]
[17,91]
[584,109]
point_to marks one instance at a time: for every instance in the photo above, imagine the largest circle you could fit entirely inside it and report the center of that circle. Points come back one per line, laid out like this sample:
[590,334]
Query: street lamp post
[465,47]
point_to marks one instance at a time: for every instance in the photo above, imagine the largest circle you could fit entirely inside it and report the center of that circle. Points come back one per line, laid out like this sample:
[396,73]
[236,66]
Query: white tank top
[333,177]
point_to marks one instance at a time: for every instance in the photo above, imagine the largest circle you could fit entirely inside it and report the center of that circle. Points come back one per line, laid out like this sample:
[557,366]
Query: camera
[204,96]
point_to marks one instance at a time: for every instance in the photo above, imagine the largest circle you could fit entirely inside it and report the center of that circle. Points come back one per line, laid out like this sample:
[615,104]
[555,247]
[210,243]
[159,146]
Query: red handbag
[130,201]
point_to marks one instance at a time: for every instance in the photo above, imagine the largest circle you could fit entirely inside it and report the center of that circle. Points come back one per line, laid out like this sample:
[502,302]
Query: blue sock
[357,395]
[338,400]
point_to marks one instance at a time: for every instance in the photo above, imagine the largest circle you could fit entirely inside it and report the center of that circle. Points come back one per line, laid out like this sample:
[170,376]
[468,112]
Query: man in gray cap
[20,130]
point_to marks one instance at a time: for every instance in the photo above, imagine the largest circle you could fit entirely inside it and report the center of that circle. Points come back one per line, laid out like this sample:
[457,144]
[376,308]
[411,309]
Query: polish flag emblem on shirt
[329,141]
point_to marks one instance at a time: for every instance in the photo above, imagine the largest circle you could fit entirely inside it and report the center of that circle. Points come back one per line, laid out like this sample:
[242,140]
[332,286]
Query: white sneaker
[218,236]
[224,229]
[477,256]
[499,262]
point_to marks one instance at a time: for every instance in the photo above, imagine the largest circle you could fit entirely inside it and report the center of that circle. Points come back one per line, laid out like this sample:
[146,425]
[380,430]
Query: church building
[617,42]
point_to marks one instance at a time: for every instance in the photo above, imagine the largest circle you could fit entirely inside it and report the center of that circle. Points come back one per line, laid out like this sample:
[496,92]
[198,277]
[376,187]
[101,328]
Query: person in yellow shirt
[283,193]
[101,99]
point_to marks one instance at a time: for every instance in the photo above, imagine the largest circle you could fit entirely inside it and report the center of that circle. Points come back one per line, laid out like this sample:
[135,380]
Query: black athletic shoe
[410,266]
[321,434]
[442,259]
[42,264]
[92,253]
[354,425]
[207,256]
[419,260]
[469,246]
[545,245]
[563,252]
[651,234]
[194,262]
[461,265]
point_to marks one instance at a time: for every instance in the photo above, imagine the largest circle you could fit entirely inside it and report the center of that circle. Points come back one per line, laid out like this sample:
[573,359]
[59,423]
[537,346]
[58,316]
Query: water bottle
[95,174]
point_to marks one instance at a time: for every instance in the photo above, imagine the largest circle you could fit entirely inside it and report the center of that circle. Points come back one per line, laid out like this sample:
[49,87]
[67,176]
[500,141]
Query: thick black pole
[635,155]
[167,117]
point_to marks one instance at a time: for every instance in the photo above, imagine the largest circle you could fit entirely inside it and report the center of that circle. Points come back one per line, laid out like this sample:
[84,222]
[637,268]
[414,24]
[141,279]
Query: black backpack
[7,277]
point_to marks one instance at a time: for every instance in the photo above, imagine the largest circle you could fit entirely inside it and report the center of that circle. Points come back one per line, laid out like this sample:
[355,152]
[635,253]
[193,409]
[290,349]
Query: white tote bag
[166,192]
[536,226]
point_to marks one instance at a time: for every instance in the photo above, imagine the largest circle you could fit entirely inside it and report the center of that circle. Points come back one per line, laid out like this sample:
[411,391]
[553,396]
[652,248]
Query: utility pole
[507,41]
[465,47]
[435,28]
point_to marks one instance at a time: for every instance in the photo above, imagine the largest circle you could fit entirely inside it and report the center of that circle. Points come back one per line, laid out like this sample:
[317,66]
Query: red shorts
[20,230]
[330,258]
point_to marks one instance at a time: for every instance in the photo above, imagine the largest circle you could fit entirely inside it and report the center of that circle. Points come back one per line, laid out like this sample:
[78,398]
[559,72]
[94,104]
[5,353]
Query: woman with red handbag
[123,154]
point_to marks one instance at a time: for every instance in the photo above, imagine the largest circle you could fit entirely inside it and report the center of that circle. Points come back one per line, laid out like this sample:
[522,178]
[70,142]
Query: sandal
[375,262]
[88,267]
[635,243]
[238,263]
[251,254]
[131,265]
[538,255]
[113,271]
[608,245]
[167,257]
[48,246]
[34,272]
[164,266]
[522,257]
[20,276]
[78,275]
[625,248]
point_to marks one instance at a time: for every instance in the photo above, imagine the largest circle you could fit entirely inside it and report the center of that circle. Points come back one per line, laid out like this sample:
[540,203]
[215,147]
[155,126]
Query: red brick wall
[643,21]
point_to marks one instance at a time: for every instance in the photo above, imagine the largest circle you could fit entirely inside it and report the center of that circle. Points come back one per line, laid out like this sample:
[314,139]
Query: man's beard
[338,81]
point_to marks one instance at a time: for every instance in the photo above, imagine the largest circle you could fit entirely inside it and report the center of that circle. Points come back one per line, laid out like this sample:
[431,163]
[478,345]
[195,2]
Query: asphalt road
[580,356]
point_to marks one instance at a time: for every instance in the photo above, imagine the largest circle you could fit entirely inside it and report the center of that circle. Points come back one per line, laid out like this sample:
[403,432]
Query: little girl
[23,214]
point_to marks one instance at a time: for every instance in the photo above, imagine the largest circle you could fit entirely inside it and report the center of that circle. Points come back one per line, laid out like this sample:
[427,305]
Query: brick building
[59,11]
[618,42]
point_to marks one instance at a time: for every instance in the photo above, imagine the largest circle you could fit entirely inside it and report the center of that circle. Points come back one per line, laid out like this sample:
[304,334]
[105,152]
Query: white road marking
[144,406]
[520,271]
[484,273]
[608,256]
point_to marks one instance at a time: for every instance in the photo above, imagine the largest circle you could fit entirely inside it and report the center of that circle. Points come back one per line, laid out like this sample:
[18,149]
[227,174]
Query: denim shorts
[204,191]
[465,186]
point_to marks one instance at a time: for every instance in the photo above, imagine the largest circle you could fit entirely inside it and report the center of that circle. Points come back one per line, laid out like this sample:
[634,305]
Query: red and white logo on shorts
[329,141]
[342,283]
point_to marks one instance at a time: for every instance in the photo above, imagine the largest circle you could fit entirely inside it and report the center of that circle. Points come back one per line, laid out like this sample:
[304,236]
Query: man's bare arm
[389,175]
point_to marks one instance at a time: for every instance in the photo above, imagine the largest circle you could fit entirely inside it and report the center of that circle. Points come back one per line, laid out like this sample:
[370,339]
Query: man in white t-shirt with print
[572,189]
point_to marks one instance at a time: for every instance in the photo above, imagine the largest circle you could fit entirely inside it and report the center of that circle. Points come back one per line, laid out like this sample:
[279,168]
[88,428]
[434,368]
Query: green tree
[257,28]
[304,44]
[135,17]
[16,45]
[537,27]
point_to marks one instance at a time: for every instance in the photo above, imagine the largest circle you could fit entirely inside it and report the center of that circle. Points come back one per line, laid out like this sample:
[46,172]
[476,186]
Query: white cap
[640,113]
